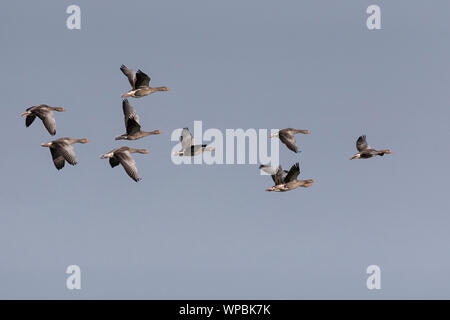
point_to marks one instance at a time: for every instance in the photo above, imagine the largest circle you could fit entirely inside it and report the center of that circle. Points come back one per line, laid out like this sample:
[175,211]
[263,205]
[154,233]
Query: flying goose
[45,113]
[365,151]
[139,82]
[62,150]
[123,156]
[287,137]
[132,124]
[188,148]
[286,180]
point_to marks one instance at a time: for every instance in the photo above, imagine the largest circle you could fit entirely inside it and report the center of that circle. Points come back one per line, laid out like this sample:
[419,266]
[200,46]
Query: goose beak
[25,114]
[46,144]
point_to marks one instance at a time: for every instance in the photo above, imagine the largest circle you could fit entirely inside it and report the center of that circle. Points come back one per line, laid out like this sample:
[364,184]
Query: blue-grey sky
[208,232]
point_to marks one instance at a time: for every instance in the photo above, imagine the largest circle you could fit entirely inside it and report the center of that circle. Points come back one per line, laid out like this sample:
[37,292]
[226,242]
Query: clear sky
[202,231]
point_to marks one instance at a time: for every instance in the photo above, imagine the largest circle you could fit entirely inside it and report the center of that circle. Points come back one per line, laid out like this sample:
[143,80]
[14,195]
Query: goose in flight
[132,125]
[123,156]
[140,84]
[286,180]
[62,150]
[45,113]
[188,148]
[287,137]
[365,151]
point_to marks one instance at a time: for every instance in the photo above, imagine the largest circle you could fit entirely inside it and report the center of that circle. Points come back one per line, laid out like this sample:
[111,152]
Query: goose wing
[29,120]
[49,122]
[268,169]
[66,151]
[131,75]
[44,113]
[128,163]
[131,118]
[186,139]
[361,143]
[58,159]
[113,161]
[142,80]
[278,177]
[288,139]
[293,173]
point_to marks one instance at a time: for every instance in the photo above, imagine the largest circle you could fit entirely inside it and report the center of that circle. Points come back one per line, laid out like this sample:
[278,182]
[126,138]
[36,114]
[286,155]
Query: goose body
[286,180]
[45,113]
[62,150]
[287,137]
[188,148]
[123,156]
[140,83]
[365,151]
[132,124]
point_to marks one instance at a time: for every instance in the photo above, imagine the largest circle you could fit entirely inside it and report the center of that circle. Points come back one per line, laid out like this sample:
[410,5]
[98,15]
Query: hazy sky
[202,231]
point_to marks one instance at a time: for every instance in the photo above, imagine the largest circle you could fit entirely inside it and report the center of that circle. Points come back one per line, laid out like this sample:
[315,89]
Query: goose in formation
[286,180]
[62,150]
[45,113]
[123,156]
[132,124]
[287,137]
[139,82]
[188,148]
[365,151]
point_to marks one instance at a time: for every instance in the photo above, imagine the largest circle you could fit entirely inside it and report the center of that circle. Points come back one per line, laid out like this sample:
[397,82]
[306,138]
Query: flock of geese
[287,180]
[62,149]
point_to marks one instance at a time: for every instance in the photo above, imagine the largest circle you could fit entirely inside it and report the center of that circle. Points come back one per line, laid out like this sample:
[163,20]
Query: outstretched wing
[142,80]
[58,159]
[289,140]
[361,143]
[278,177]
[66,150]
[128,163]
[49,122]
[293,173]
[131,118]
[131,75]
[268,169]
[186,139]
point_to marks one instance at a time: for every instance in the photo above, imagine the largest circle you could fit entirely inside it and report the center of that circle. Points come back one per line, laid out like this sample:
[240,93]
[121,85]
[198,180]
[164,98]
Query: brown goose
[132,124]
[187,145]
[286,180]
[139,84]
[123,156]
[365,151]
[45,113]
[287,137]
[62,150]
